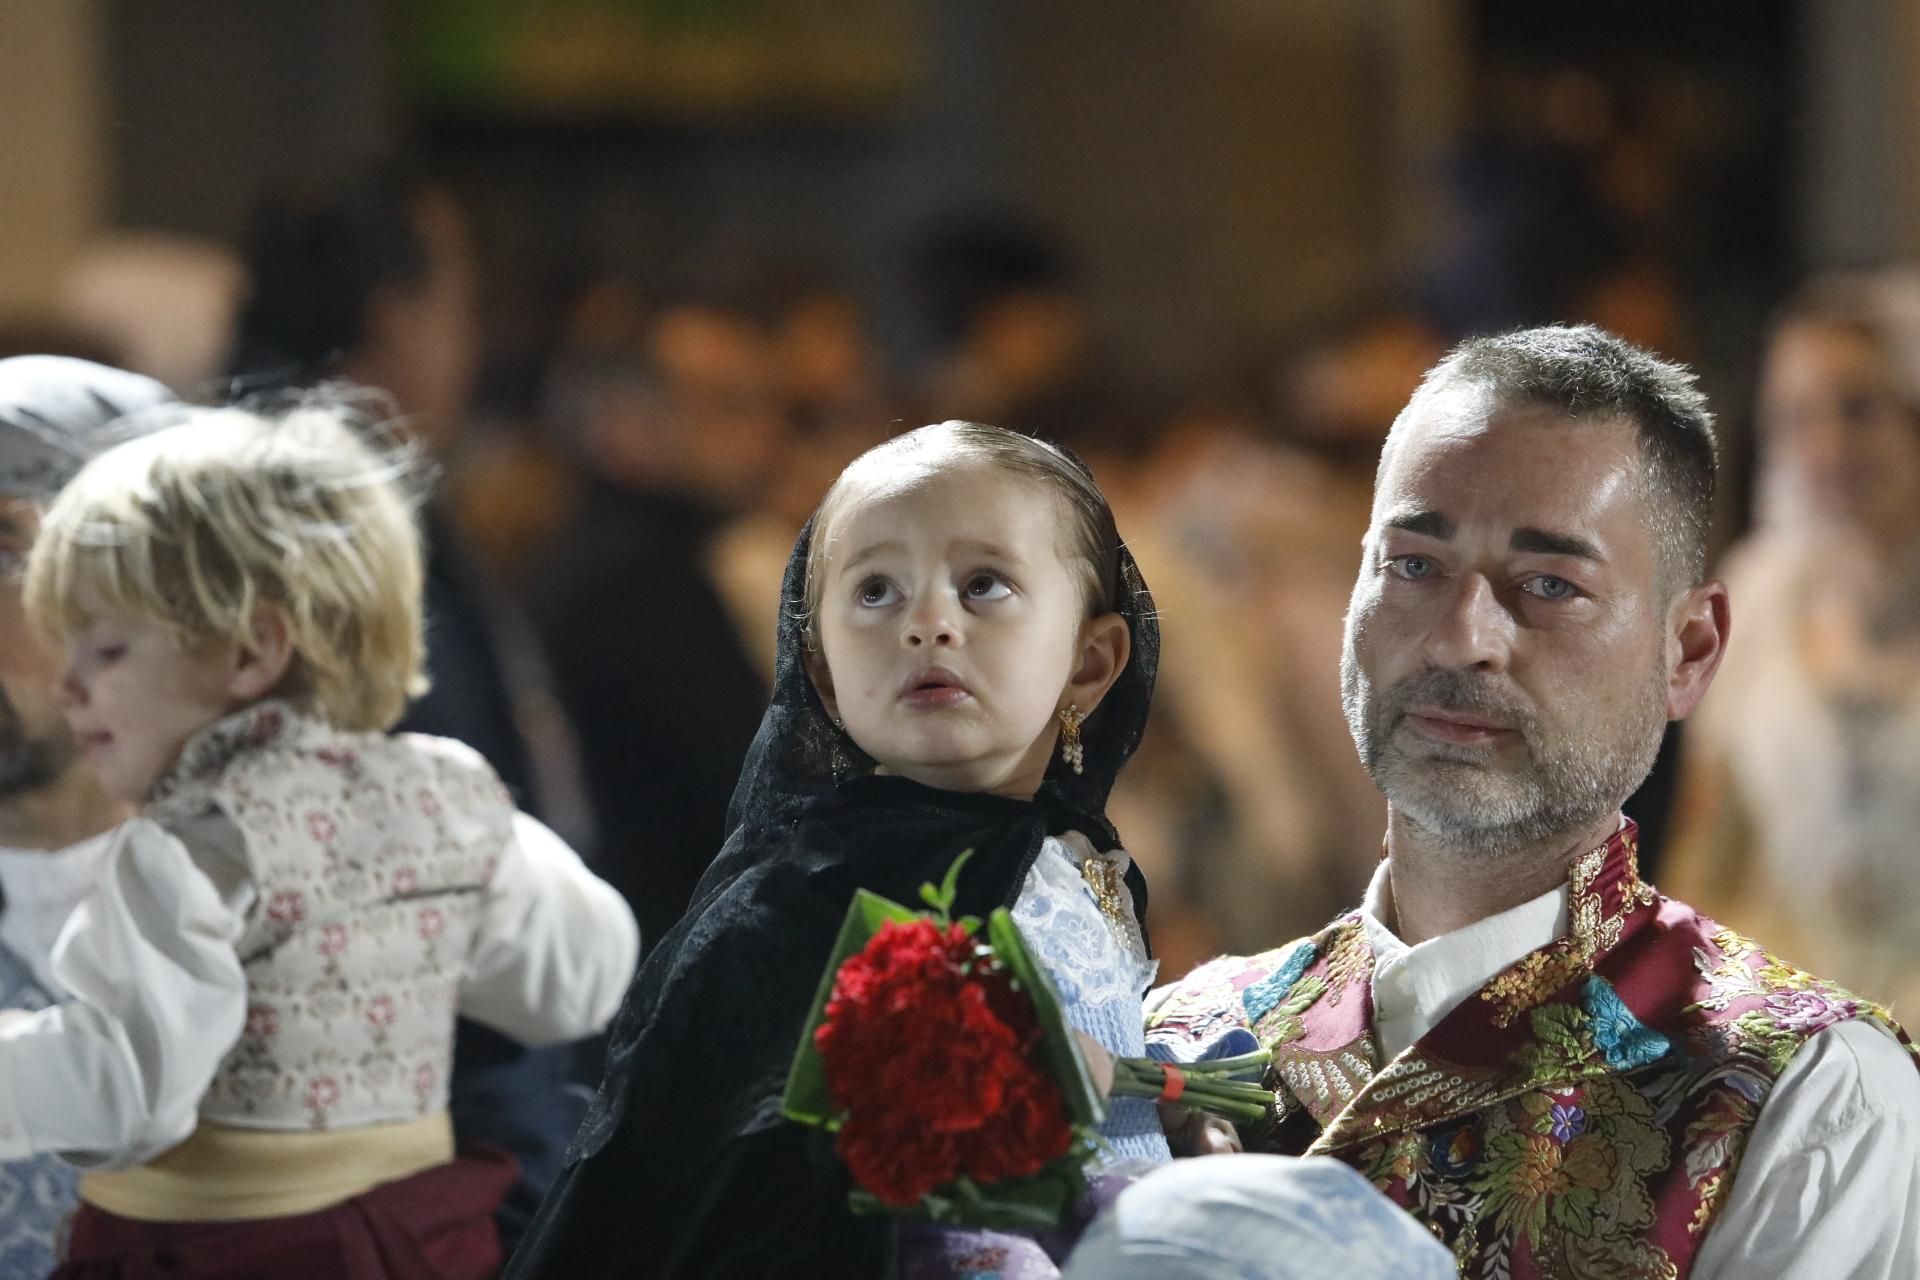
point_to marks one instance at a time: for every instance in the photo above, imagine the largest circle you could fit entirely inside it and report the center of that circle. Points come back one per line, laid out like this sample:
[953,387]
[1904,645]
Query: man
[1557,1070]
[54,414]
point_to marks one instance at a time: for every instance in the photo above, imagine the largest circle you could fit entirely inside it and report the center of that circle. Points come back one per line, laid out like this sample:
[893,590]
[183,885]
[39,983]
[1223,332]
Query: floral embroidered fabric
[36,1194]
[369,858]
[1585,1115]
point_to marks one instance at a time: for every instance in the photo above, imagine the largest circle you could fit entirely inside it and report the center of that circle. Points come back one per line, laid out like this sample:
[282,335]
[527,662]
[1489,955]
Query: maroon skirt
[434,1225]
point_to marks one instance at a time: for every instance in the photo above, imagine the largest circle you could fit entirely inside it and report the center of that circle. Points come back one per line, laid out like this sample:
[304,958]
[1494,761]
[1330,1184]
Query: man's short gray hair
[1587,373]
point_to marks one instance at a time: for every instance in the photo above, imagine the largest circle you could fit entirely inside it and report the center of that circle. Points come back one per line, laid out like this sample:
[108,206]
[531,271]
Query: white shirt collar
[1415,987]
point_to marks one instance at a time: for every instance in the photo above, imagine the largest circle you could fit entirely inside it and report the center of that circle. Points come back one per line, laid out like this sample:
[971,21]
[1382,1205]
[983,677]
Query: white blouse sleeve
[114,1075]
[1831,1174]
[556,945]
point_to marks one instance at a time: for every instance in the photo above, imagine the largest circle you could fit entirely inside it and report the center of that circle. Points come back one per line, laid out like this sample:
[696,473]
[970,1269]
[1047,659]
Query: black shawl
[684,1166]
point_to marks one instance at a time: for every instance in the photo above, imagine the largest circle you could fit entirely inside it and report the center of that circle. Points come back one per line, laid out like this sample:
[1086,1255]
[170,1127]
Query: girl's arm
[114,1075]
[555,948]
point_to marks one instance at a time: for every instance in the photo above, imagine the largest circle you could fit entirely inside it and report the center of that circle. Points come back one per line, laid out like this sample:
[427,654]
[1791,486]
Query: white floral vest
[370,857]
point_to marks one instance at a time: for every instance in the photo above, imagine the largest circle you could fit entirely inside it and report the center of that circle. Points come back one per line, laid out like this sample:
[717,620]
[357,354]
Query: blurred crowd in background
[627,447]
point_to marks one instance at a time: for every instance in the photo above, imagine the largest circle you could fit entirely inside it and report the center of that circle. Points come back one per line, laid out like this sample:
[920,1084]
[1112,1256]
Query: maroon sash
[434,1225]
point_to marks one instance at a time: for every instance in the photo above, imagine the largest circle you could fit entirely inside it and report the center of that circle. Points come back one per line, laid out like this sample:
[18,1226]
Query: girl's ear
[261,663]
[822,682]
[1105,645]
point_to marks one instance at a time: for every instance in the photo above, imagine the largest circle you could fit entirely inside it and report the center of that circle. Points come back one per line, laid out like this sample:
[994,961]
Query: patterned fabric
[36,1195]
[1583,1116]
[1101,968]
[369,857]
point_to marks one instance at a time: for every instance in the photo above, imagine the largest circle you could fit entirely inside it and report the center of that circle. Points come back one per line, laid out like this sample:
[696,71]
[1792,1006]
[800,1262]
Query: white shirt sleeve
[114,1075]
[556,946]
[1831,1177]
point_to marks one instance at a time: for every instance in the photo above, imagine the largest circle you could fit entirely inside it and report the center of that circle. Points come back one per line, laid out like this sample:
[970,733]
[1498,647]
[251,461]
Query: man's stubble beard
[29,761]
[1461,801]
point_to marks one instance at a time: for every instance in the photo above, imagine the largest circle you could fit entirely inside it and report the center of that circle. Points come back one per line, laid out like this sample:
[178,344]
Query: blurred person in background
[54,816]
[1016,340]
[834,394]
[164,302]
[1800,792]
[1257,528]
[374,282]
[678,432]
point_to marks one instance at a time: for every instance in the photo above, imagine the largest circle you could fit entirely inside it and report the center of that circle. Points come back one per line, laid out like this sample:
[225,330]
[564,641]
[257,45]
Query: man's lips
[933,687]
[1461,727]
[92,740]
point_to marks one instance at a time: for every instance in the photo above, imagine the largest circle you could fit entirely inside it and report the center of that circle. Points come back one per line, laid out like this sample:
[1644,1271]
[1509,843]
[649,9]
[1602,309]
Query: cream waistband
[226,1174]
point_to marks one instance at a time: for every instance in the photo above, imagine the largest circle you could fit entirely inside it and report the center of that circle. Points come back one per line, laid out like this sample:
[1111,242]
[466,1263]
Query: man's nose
[1474,630]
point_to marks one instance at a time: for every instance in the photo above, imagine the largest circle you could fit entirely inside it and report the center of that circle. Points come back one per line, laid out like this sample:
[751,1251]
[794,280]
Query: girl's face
[953,630]
[133,696]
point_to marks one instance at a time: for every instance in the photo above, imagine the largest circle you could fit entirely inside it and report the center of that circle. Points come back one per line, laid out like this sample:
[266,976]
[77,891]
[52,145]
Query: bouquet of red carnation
[955,1089]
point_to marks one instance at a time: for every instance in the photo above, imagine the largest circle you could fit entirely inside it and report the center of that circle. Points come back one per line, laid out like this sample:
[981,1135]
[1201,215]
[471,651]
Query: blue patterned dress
[36,1195]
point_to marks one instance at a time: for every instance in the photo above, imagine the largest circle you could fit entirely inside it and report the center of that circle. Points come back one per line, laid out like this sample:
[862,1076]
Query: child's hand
[1195,1133]
[1099,1062]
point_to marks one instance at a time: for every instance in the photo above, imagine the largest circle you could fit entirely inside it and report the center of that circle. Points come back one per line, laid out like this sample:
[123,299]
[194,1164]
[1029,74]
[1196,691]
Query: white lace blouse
[1101,969]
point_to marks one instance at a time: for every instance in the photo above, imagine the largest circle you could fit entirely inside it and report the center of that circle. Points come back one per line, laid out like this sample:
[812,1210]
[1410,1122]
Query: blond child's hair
[202,524]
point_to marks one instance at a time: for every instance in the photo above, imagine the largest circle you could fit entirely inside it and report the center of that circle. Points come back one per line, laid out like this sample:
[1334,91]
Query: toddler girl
[254,1062]
[966,658]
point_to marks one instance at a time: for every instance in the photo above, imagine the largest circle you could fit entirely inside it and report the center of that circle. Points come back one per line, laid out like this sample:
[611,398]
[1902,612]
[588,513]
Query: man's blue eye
[1412,567]
[1548,587]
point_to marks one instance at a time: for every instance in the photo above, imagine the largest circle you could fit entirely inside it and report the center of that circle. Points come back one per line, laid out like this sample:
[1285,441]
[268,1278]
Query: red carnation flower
[928,1051]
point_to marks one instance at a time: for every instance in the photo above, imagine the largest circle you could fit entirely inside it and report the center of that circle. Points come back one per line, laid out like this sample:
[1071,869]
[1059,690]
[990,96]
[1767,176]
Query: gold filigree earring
[1070,748]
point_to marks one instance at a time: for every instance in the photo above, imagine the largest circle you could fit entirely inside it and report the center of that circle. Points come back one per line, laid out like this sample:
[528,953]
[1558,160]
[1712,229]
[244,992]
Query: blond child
[254,1063]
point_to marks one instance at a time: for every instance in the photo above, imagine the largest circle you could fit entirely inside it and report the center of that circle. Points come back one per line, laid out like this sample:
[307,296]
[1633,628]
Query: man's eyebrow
[1428,524]
[1547,543]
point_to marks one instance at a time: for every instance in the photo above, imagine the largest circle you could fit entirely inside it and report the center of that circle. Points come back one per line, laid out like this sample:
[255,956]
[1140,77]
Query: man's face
[36,747]
[1506,666]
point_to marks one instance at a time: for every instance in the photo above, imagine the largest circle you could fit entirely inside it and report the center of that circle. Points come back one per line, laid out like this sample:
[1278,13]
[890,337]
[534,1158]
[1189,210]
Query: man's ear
[1698,627]
[822,678]
[262,661]
[1105,645]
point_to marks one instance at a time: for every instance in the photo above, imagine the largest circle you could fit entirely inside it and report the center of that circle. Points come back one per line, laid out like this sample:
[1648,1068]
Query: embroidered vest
[370,858]
[1582,1115]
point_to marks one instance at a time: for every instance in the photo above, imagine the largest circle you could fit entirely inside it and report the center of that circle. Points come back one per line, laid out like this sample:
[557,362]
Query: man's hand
[1099,1062]
[1195,1133]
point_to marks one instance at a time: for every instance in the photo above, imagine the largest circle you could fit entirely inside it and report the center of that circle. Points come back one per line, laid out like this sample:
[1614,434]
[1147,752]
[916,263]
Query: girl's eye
[987,586]
[1412,568]
[104,654]
[876,592]
[1548,587]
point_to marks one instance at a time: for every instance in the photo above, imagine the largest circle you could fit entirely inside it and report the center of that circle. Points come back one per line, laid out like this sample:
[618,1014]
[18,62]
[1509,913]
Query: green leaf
[806,1098]
[941,899]
[1023,1204]
[1063,1051]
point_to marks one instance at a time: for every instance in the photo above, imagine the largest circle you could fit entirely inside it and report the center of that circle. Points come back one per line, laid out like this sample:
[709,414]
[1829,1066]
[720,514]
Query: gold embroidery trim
[1109,890]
